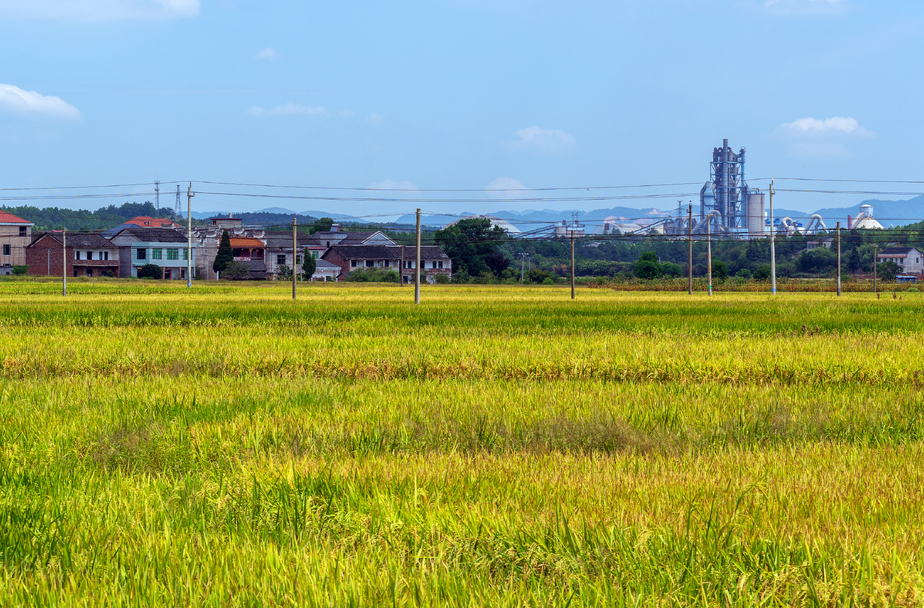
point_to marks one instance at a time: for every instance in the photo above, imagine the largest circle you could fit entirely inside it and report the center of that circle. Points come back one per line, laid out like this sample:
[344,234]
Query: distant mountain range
[888,213]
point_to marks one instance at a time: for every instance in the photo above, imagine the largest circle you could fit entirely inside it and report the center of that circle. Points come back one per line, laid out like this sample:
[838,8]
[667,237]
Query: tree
[853,260]
[283,272]
[225,255]
[469,243]
[150,271]
[719,271]
[323,224]
[889,270]
[497,262]
[647,266]
[762,272]
[236,271]
[309,265]
[670,269]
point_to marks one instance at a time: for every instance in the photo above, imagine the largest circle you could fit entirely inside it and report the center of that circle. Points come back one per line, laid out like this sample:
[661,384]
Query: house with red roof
[15,236]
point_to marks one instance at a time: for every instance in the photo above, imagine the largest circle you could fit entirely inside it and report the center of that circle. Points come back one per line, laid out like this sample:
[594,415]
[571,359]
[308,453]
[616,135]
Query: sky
[476,95]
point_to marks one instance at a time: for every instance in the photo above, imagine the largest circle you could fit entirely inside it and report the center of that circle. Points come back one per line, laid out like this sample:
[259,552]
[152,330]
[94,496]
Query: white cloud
[390,185]
[506,187]
[375,117]
[836,124]
[14,99]
[822,138]
[549,141]
[267,54]
[98,10]
[288,109]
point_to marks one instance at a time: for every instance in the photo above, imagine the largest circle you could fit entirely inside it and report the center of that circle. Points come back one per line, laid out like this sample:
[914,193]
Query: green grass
[493,446]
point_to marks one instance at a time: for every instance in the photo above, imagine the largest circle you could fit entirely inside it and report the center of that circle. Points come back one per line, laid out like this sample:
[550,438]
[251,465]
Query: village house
[207,239]
[279,253]
[15,236]
[326,240]
[909,259]
[250,251]
[142,221]
[87,255]
[159,246]
[400,259]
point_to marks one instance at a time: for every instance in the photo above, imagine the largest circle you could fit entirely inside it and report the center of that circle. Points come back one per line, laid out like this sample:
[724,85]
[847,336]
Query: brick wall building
[87,255]
[15,236]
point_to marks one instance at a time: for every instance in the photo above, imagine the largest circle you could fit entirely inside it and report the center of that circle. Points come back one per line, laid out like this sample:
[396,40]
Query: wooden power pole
[294,255]
[64,259]
[690,251]
[572,263]
[709,254]
[189,252]
[838,258]
[417,264]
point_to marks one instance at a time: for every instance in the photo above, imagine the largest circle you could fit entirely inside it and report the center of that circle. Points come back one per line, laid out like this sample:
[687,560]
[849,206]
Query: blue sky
[457,94]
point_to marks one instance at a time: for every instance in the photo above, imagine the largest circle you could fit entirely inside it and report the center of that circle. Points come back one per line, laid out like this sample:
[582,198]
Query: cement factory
[729,208]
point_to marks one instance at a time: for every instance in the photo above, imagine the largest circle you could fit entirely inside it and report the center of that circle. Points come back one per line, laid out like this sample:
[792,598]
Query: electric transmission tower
[177,210]
[156,194]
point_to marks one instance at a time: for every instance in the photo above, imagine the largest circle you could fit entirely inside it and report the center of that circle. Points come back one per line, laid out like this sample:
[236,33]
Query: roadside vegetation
[496,445]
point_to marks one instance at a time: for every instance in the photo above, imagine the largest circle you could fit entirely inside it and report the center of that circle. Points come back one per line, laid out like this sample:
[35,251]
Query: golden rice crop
[495,445]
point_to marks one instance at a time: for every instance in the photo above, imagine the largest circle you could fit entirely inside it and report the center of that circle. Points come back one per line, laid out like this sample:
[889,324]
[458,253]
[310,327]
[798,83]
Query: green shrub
[20,270]
[373,275]
[150,271]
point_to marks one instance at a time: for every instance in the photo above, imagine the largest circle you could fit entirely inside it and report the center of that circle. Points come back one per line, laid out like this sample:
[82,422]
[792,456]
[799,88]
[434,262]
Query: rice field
[497,445]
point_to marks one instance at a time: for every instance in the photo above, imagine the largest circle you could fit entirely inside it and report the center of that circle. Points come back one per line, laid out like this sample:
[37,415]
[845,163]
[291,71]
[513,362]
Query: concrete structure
[162,247]
[909,259]
[864,220]
[279,250]
[15,236]
[87,255]
[142,221]
[226,223]
[325,271]
[351,239]
[207,239]
[349,258]
[756,214]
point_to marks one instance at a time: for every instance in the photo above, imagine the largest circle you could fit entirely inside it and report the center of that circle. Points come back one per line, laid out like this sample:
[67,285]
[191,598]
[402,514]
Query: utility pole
[875,268]
[690,252]
[294,254]
[772,244]
[64,257]
[401,269]
[417,264]
[838,258]
[522,255]
[709,253]
[189,251]
[572,263]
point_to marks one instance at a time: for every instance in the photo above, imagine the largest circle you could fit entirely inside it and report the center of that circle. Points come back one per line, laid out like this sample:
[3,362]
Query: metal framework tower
[727,191]
[178,209]
[156,194]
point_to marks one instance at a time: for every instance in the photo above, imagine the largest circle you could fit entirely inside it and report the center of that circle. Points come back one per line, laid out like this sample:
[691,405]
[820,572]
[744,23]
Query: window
[105,255]
[76,255]
[314,254]
[7,250]
[185,254]
[173,254]
[157,253]
[441,264]
[281,259]
[369,263]
[386,263]
[352,263]
[298,259]
[89,255]
[141,254]
[90,271]
[22,231]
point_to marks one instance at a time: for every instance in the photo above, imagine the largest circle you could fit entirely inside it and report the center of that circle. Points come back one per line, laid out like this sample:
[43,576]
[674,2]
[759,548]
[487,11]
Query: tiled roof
[154,235]
[896,250]
[325,264]
[246,242]
[283,240]
[9,218]
[79,241]
[146,221]
[381,252]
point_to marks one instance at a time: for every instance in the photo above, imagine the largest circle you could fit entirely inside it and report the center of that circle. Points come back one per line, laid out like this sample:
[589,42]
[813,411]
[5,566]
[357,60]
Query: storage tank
[755,215]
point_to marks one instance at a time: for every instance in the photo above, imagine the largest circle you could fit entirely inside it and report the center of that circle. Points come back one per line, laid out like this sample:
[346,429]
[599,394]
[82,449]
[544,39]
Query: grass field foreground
[495,445]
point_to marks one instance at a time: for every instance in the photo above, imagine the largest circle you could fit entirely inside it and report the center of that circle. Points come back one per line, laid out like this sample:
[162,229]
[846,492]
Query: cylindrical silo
[755,212]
